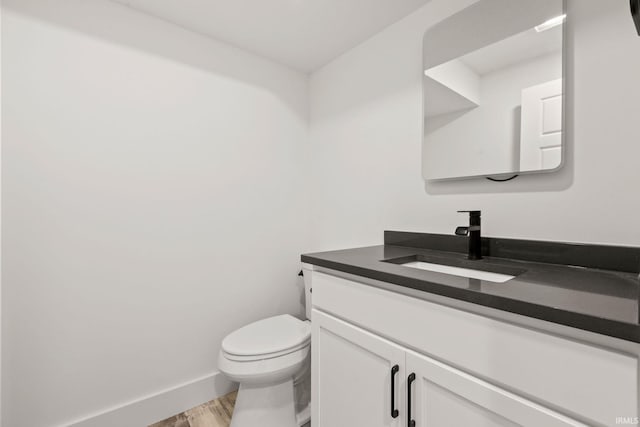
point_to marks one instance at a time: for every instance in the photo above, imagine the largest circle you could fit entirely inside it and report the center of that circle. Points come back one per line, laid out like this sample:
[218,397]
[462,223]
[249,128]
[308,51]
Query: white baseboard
[159,406]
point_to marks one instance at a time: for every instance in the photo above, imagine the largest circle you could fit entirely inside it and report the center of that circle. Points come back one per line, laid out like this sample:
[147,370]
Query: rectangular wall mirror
[493,90]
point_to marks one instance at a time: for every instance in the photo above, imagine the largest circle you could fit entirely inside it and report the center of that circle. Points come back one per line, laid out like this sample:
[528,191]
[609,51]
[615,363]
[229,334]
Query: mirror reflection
[496,108]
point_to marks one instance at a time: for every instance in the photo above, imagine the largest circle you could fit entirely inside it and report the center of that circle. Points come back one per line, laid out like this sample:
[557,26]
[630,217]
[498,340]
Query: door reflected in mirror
[493,90]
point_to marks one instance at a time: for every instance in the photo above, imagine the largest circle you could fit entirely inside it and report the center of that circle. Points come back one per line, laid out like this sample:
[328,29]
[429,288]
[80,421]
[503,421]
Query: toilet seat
[262,371]
[258,357]
[267,339]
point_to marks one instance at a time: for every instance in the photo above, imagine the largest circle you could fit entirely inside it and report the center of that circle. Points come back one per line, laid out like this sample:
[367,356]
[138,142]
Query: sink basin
[455,265]
[458,271]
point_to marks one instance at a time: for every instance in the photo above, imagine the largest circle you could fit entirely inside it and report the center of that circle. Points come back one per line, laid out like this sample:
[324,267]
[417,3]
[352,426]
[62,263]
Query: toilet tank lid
[271,335]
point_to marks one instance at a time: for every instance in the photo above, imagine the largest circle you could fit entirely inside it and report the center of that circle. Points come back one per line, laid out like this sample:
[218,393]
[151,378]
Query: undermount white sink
[459,271]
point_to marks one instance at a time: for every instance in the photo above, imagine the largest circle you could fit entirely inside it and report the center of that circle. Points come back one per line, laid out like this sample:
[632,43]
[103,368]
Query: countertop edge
[603,326]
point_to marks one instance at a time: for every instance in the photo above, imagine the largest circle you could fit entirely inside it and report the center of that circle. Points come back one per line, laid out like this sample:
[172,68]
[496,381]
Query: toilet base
[265,406]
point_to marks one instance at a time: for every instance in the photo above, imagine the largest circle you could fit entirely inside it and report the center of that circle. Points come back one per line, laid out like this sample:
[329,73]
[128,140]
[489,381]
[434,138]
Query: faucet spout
[474,233]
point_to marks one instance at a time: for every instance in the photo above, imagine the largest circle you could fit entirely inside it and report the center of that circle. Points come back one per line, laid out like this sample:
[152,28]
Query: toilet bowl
[270,359]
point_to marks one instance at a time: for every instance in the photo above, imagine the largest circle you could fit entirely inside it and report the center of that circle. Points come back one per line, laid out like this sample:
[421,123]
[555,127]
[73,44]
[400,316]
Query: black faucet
[473,231]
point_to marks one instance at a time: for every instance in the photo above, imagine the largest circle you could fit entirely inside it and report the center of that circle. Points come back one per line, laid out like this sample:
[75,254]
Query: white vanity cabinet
[444,396]
[454,367]
[353,372]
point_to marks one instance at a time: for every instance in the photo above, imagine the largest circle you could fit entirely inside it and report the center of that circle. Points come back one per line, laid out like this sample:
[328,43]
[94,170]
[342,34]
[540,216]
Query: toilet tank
[306,274]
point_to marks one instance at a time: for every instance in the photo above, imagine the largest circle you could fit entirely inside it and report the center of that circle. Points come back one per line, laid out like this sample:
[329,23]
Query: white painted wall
[486,139]
[366,113]
[153,201]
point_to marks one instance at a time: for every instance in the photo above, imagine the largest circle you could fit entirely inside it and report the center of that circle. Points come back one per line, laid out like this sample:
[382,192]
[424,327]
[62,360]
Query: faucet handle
[462,231]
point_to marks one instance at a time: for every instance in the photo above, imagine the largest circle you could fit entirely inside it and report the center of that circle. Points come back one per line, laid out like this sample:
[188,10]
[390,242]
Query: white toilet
[271,359]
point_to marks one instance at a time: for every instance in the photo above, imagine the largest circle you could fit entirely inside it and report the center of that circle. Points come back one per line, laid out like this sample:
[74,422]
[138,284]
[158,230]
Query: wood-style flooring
[216,413]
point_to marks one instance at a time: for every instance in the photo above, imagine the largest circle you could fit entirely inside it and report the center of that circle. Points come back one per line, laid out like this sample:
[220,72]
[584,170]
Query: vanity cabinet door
[442,396]
[352,376]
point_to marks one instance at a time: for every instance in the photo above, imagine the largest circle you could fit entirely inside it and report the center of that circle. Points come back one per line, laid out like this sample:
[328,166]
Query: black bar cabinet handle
[410,421]
[394,411]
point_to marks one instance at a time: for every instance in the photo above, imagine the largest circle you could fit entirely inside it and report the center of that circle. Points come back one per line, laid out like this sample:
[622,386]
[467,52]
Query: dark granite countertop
[599,300]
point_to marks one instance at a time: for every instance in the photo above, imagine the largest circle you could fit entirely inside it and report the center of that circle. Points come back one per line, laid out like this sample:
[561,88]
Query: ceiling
[303,34]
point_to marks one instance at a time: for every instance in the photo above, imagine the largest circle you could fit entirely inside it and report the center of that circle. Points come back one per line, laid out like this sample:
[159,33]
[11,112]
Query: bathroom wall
[153,201]
[366,112]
